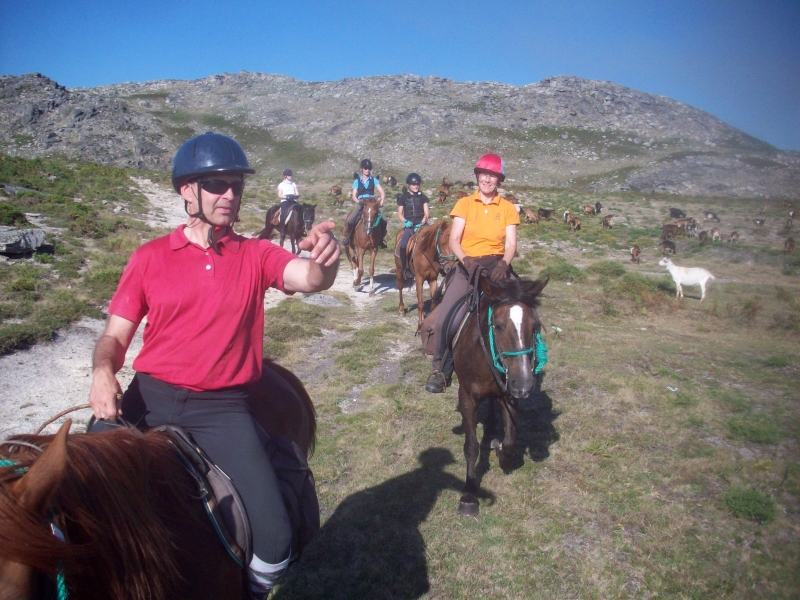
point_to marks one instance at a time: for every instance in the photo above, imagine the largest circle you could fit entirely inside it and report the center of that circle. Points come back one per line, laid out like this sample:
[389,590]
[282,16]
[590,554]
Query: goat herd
[681,226]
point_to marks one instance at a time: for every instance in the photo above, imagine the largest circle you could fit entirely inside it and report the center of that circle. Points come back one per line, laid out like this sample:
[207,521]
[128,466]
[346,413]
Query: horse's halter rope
[539,349]
[61,584]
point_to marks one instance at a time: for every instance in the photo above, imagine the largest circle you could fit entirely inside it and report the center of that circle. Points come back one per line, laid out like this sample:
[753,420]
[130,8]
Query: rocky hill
[559,132]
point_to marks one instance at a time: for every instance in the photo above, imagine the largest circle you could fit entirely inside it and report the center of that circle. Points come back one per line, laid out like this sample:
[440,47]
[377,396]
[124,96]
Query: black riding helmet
[208,153]
[204,155]
[366,164]
[413,179]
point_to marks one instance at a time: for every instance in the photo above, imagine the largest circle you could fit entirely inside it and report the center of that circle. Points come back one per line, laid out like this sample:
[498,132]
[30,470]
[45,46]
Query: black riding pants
[221,424]
[286,206]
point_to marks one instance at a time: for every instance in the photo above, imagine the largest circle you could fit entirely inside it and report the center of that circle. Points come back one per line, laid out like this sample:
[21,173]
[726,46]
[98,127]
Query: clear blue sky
[737,59]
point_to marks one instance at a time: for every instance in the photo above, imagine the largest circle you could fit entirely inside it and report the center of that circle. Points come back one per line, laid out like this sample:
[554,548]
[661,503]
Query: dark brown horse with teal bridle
[499,353]
[117,514]
[366,236]
[429,256]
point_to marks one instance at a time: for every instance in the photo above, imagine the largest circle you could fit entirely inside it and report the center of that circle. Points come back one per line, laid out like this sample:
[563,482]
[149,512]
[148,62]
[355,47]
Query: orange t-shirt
[485,228]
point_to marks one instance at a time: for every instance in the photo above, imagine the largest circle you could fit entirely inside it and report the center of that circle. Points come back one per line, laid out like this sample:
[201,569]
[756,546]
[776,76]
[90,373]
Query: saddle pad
[216,490]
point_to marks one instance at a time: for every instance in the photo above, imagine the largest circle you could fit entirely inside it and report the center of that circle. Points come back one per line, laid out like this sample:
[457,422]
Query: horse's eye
[499,328]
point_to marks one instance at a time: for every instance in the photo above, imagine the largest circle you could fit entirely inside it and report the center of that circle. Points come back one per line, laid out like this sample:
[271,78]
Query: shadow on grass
[371,546]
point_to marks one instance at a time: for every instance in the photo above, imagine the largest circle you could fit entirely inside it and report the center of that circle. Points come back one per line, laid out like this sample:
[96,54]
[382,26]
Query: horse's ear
[490,290]
[540,285]
[35,489]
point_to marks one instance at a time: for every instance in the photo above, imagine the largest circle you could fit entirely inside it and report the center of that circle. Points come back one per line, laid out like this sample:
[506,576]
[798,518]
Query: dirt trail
[39,382]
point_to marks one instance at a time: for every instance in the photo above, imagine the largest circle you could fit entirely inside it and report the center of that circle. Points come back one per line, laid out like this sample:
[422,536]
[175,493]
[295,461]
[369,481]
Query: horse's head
[371,207]
[514,329]
[26,494]
[447,259]
[309,214]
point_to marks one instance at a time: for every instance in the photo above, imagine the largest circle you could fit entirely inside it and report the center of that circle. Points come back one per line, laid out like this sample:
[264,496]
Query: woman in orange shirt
[484,235]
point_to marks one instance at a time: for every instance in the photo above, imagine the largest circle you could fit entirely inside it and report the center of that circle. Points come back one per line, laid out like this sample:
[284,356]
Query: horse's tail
[269,226]
[301,392]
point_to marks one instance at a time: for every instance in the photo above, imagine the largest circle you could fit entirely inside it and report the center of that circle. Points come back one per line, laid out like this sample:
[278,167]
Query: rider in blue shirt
[364,187]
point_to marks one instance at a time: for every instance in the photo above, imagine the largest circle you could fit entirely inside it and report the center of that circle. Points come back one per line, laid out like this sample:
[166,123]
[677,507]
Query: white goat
[687,276]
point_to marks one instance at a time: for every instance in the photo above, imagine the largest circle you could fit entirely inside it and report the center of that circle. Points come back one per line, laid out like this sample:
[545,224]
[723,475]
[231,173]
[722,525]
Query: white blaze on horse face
[516,315]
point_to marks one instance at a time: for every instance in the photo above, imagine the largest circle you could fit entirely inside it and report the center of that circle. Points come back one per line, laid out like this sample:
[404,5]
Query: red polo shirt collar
[231,240]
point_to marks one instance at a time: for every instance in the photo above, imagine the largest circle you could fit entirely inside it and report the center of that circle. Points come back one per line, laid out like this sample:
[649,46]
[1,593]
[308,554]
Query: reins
[539,349]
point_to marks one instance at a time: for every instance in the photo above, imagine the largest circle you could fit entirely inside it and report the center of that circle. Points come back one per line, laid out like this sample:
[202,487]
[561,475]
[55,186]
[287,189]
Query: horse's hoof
[468,509]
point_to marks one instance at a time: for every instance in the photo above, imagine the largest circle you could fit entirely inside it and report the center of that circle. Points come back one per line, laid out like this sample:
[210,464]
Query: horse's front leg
[373,253]
[468,505]
[398,269]
[432,286]
[506,450]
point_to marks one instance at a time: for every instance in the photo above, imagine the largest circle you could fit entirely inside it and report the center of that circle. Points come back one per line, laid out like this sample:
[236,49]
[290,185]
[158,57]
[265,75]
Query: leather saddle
[222,502]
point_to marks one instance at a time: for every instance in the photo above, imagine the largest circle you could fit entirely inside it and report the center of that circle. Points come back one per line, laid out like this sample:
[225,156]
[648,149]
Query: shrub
[747,503]
[646,292]
[606,268]
[751,307]
[12,216]
[559,269]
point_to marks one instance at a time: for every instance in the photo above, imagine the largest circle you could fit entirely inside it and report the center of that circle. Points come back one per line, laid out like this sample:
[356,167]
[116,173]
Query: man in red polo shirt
[202,290]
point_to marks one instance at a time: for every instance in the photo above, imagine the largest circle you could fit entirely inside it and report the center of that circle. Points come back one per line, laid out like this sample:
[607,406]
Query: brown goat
[608,222]
[786,204]
[788,246]
[461,194]
[588,209]
[469,184]
[338,199]
[512,198]
[391,181]
[336,190]
[531,216]
[546,212]
[575,223]
[703,237]
[447,183]
[667,247]
[669,230]
[763,209]
[443,189]
[733,237]
[636,252]
[789,223]
[716,234]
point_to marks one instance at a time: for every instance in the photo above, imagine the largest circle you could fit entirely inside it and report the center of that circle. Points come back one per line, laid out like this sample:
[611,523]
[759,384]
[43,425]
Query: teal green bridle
[538,350]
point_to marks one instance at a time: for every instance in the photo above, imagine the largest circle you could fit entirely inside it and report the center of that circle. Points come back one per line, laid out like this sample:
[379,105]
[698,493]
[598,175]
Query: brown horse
[496,357]
[116,514]
[367,236]
[429,256]
[298,222]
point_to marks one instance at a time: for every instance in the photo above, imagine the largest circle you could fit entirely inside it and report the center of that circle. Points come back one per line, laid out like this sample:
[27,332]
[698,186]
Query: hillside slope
[559,132]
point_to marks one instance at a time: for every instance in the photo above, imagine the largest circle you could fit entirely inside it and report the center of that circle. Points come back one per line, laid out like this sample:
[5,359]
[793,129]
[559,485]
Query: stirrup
[437,383]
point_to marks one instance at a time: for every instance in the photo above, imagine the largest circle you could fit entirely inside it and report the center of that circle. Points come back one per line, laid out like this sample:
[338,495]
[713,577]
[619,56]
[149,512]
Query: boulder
[20,241]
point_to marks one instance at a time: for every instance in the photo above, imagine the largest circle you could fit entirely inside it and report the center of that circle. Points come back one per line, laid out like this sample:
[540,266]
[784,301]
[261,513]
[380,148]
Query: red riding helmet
[491,163]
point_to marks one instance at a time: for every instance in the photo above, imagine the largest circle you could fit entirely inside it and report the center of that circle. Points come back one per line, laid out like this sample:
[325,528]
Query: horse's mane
[426,238]
[106,506]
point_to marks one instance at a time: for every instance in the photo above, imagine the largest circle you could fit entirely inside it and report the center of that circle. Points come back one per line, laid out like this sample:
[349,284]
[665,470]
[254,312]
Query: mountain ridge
[562,131]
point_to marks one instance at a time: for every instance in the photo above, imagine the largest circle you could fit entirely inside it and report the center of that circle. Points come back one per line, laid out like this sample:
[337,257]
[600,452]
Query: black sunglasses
[220,186]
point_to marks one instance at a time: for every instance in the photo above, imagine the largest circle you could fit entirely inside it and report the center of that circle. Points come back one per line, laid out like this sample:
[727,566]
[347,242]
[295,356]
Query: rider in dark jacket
[412,208]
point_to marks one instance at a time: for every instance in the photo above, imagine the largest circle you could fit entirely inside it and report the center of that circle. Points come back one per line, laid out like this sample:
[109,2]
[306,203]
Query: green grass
[747,503]
[755,428]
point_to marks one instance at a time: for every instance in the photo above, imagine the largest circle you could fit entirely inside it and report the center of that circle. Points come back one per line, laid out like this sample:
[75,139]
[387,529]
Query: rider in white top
[288,195]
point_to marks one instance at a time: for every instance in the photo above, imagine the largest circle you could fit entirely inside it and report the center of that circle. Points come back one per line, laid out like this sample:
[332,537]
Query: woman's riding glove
[408,224]
[500,271]
[468,263]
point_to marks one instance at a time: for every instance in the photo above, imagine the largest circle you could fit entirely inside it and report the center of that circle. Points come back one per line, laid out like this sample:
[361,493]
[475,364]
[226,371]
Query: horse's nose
[520,386]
